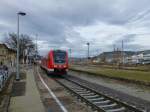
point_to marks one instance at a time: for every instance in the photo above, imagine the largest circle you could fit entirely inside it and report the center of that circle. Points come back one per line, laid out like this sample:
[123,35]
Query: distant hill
[110,54]
[126,53]
[144,52]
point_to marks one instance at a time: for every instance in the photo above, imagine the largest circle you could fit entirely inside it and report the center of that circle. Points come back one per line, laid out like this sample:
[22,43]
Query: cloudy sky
[72,23]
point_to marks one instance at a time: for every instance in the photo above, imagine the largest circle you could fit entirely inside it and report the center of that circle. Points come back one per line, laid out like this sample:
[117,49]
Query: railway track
[98,101]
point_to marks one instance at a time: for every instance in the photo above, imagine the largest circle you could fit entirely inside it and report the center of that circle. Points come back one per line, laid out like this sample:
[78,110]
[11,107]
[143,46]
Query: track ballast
[96,100]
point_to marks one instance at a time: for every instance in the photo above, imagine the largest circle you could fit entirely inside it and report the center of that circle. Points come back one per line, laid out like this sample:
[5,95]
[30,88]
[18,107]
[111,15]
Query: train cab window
[59,57]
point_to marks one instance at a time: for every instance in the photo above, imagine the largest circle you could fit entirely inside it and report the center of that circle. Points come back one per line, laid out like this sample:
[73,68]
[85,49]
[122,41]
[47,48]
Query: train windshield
[59,56]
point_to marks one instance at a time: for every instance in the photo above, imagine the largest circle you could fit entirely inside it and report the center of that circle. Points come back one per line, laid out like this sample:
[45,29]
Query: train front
[60,61]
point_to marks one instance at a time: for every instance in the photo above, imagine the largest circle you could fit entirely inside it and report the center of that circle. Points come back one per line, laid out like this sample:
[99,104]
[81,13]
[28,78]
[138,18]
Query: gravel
[70,102]
[133,94]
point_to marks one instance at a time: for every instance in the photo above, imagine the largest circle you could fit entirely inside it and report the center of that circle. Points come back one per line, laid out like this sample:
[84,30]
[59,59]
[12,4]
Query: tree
[25,44]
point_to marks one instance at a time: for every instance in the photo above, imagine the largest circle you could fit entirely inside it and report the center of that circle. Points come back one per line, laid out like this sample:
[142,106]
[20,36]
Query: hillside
[126,53]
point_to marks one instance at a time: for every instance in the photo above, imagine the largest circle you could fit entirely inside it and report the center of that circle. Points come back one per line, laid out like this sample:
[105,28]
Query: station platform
[29,100]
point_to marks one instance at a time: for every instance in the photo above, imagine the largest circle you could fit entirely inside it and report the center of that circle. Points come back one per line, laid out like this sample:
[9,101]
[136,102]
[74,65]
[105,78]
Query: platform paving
[30,101]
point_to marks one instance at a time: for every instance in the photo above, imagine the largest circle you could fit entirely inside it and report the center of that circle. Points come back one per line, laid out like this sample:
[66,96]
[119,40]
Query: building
[134,59]
[126,57]
[140,58]
[144,58]
[7,55]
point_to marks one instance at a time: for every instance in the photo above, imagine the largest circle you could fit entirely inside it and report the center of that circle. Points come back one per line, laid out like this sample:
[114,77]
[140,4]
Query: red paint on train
[56,61]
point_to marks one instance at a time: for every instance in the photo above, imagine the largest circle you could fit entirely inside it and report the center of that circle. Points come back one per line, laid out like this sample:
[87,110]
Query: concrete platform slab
[31,101]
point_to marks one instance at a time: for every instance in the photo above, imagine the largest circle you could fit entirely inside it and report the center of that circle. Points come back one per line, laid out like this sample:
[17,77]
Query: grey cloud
[134,47]
[127,38]
[50,18]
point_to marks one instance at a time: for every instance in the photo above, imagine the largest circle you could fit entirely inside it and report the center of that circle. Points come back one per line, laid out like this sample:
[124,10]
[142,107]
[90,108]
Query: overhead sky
[72,23]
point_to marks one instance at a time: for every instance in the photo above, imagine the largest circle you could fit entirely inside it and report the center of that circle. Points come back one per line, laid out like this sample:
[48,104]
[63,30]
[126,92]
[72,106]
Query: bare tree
[25,43]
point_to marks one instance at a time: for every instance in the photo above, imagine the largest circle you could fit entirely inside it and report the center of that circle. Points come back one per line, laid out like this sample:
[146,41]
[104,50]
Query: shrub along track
[98,101]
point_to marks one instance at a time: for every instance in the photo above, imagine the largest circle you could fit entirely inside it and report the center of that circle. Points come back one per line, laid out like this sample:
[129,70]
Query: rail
[96,100]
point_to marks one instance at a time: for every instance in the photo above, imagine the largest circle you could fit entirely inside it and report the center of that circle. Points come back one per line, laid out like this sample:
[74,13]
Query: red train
[56,61]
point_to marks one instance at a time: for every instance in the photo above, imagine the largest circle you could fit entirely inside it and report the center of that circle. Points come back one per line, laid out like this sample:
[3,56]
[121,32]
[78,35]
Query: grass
[116,73]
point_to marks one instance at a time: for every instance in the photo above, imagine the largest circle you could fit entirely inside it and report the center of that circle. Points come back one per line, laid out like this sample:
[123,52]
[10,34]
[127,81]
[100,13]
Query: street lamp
[22,14]
[88,44]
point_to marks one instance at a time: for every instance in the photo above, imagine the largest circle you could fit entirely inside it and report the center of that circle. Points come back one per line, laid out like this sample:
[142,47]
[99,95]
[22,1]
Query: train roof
[57,50]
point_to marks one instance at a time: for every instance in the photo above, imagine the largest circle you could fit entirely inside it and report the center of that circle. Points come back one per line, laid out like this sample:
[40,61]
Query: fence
[4,76]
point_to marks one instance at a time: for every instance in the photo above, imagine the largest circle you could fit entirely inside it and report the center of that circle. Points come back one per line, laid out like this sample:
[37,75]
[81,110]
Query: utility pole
[122,52]
[70,55]
[36,36]
[114,47]
[114,54]
[27,53]
[88,44]
[118,57]
[17,75]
